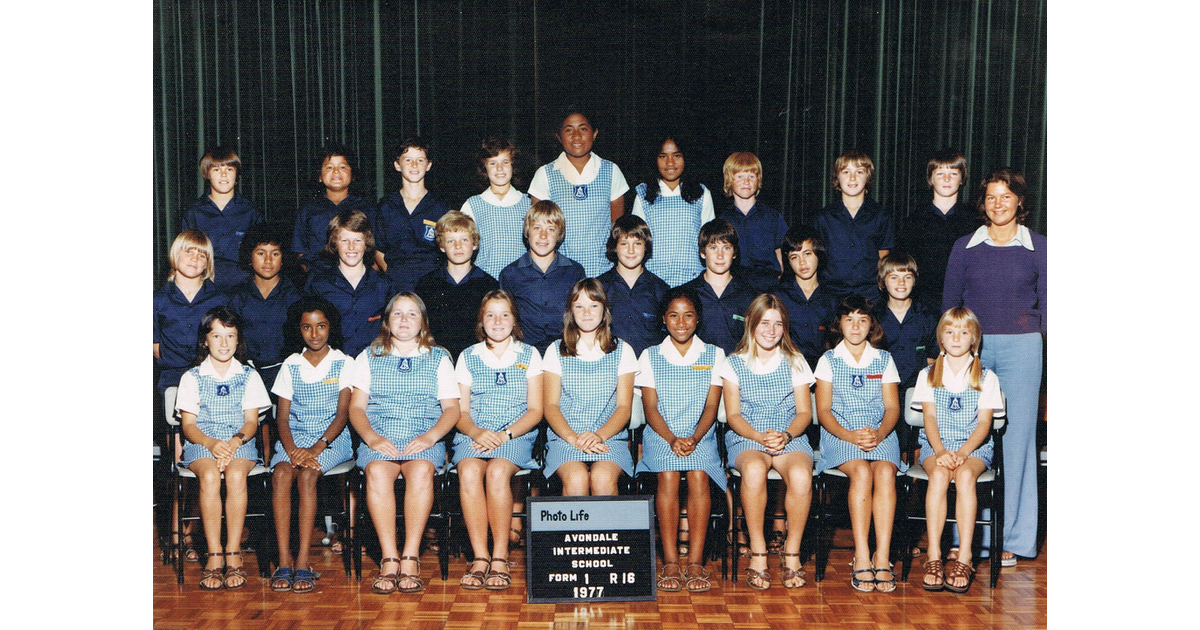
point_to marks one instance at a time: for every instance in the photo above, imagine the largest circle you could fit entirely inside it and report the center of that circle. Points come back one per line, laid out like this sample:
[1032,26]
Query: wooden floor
[1019,601]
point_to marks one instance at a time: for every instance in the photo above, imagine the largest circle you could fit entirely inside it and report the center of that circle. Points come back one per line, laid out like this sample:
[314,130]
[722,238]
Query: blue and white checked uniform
[220,404]
[682,391]
[499,397]
[403,402]
[588,400]
[768,402]
[501,232]
[675,226]
[857,403]
[589,219]
[958,419]
[313,408]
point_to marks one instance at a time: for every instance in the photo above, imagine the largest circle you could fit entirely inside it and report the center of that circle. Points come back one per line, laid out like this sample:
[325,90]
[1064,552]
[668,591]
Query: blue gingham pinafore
[768,402]
[220,415]
[404,403]
[857,403]
[675,226]
[499,397]
[589,219]
[957,418]
[314,406]
[682,391]
[589,398]
[501,232]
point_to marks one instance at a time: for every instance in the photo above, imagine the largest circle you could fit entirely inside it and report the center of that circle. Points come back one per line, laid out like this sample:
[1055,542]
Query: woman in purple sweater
[999,272]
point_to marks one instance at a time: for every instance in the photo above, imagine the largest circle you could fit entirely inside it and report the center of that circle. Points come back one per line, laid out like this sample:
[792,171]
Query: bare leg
[306,487]
[859,496]
[605,477]
[381,503]
[475,516]
[935,510]
[796,470]
[666,505]
[754,466]
[699,509]
[281,499]
[418,501]
[883,511]
[210,514]
[965,506]
[500,472]
[575,479]
[235,517]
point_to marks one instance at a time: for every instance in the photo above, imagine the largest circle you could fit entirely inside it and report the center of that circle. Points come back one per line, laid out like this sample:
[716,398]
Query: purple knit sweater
[1004,286]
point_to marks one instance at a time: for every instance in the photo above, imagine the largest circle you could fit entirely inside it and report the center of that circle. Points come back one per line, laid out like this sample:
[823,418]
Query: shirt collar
[298,359]
[526,260]
[507,358]
[843,353]
[672,355]
[665,191]
[511,197]
[207,369]
[1024,238]
[563,164]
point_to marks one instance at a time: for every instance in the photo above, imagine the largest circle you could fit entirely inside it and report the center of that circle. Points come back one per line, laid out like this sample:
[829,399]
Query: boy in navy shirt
[857,231]
[312,222]
[724,296]
[263,300]
[541,280]
[223,214]
[759,227]
[810,307]
[407,227]
[452,293]
[634,294]
[930,232]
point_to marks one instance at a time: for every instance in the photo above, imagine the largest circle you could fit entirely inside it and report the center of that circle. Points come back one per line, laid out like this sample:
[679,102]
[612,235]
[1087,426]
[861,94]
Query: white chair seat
[917,472]
[340,469]
[771,474]
[257,470]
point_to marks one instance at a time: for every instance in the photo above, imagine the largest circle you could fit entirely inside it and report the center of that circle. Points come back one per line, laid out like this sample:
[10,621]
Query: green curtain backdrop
[795,82]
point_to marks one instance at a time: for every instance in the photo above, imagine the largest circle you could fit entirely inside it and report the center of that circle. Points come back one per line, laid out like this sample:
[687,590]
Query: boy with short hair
[856,230]
[263,300]
[223,214]
[542,278]
[810,307]
[909,326]
[406,234]
[930,232]
[312,221]
[634,293]
[724,296]
[452,293]
[760,227]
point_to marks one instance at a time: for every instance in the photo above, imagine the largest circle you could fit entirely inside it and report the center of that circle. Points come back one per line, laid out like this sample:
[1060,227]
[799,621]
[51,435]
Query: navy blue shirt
[454,307]
[928,235]
[541,297]
[910,342]
[361,307]
[724,317]
[264,319]
[760,232]
[809,318]
[225,228]
[311,233]
[635,311]
[407,239]
[852,247]
[176,324]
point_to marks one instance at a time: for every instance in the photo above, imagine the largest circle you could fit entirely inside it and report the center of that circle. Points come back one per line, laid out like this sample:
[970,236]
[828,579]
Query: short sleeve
[446,384]
[825,373]
[922,392]
[707,212]
[188,397]
[629,362]
[989,395]
[255,396]
[639,210]
[360,372]
[550,363]
[619,185]
[801,375]
[283,383]
[462,374]
[718,361]
[466,209]
[535,363]
[347,367]
[890,375]
[540,186]
[645,377]
[725,371]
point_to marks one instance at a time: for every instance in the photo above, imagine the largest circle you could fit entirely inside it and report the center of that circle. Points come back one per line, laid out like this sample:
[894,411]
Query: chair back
[169,405]
[637,415]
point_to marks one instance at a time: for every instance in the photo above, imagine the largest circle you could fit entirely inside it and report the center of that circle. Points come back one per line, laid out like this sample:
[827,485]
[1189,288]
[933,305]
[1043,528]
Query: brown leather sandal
[696,581]
[792,574]
[217,574]
[420,584]
[956,569]
[501,575]
[763,578]
[477,576]
[665,578]
[934,569]
[234,573]
[385,578]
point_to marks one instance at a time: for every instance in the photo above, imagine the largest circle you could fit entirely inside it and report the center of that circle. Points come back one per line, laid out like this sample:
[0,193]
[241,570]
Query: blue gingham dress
[501,233]
[404,403]
[589,220]
[589,398]
[220,415]
[314,405]
[499,397]
[675,226]
[857,403]
[682,391]
[957,418]
[768,402]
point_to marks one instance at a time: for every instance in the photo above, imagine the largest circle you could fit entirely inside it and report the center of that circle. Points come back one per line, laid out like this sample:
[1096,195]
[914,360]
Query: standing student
[450,291]
[858,405]
[588,389]
[405,401]
[314,398]
[263,300]
[857,230]
[223,214]
[930,232]
[725,295]
[760,227]
[500,382]
[219,400]
[357,291]
[540,280]
[180,305]
[674,207]
[499,210]
[768,406]
[408,219]
[589,189]
[957,398]
[634,294]
[312,221]
[681,391]
[809,305]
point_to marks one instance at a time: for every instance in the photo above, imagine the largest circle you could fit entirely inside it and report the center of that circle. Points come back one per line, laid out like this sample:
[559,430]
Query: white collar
[508,357]
[207,369]
[298,359]
[843,353]
[563,164]
[665,191]
[511,197]
[1024,238]
[672,355]
[418,351]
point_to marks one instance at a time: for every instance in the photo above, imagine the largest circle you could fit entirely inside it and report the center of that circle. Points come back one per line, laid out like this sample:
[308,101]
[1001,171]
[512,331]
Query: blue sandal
[283,575]
[305,581]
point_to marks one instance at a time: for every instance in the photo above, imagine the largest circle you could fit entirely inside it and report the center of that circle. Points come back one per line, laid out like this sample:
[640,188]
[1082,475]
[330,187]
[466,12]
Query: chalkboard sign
[590,549]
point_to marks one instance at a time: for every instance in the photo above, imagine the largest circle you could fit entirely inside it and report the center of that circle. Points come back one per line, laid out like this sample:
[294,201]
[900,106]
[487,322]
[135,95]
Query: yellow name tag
[701,367]
[428,222]
[521,366]
[330,380]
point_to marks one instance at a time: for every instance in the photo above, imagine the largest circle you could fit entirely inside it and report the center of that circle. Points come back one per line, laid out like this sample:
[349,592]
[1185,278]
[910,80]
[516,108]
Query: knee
[282,474]
[799,481]
[965,478]
[497,479]
[308,478]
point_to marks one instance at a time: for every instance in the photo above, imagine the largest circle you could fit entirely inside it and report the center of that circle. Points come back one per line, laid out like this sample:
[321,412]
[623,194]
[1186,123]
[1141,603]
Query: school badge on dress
[856,380]
[501,379]
[222,390]
[580,192]
[405,365]
[956,403]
